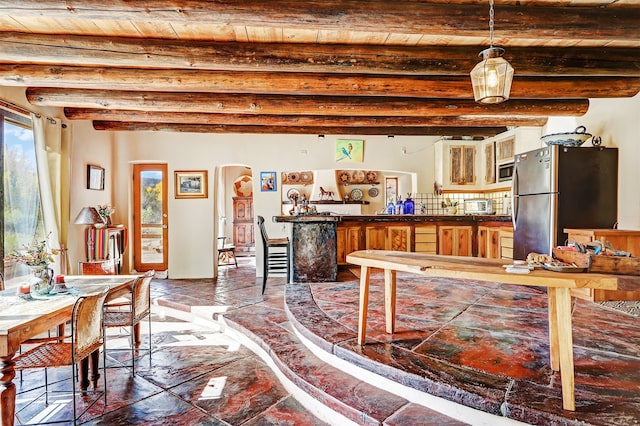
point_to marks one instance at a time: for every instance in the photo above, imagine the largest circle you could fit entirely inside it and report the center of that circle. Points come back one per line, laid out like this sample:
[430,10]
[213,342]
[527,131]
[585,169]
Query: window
[22,220]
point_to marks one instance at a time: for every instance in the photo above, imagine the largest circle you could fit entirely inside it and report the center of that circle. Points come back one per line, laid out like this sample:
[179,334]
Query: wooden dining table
[23,318]
[558,284]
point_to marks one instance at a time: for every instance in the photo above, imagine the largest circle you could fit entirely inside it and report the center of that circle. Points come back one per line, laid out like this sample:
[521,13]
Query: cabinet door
[506,149]
[348,241]
[376,237]
[483,241]
[455,240]
[398,238]
[493,243]
[462,165]
[489,164]
[242,209]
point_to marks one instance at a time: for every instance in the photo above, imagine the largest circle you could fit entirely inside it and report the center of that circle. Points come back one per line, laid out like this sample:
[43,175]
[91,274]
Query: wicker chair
[276,254]
[130,314]
[74,350]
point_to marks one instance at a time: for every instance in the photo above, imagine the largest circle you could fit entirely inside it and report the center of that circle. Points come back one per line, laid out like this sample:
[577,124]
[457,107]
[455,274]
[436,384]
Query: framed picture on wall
[191,184]
[349,150]
[267,181]
[95,177]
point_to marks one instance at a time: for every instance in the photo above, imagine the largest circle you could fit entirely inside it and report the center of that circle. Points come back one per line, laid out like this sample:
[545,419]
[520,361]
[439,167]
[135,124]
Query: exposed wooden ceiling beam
[209,128]
[408,17]
[296,57]
[306,83]
[291,105]
[296,120]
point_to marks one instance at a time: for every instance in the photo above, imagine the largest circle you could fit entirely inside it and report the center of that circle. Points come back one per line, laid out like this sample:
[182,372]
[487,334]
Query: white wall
[193,222]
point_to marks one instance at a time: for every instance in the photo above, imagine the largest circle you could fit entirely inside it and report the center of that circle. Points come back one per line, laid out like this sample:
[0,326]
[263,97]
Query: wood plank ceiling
[316,67]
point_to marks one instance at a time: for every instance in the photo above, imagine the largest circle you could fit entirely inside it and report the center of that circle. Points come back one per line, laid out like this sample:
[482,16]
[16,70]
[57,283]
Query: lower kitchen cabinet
[426,239]
[388,238]
[489,242]
[506,243]
[348,240]
[455,240]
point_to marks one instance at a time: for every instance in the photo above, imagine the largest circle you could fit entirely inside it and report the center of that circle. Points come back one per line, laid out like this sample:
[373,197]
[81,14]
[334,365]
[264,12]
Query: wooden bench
[558,285]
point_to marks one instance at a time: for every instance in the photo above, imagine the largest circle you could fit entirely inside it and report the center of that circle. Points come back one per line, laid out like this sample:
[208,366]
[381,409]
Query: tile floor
[484,346]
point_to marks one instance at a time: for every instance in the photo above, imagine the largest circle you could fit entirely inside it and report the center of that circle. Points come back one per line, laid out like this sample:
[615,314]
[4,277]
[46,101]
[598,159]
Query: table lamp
[88,216]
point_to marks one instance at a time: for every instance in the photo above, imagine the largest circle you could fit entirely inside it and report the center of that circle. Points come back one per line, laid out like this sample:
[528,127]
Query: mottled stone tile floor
[485,342]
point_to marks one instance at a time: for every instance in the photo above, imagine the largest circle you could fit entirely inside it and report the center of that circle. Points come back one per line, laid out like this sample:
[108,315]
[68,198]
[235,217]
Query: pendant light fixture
[491,78]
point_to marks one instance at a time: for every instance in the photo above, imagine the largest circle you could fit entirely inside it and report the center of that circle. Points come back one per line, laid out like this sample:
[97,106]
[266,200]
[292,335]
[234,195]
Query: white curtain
[47,134]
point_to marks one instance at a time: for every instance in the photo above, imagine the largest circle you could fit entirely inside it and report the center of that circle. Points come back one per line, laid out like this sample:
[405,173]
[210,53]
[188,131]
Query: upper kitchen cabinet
[457,164]
[500,150]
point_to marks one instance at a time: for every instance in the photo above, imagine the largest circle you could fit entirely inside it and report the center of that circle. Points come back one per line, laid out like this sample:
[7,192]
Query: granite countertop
[394,218]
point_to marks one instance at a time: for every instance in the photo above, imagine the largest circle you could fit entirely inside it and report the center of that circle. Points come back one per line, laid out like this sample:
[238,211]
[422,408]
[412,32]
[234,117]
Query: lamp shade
[88,216]
[491,78]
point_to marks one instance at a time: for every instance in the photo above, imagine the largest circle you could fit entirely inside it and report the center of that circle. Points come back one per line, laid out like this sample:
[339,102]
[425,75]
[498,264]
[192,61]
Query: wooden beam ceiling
[349,67]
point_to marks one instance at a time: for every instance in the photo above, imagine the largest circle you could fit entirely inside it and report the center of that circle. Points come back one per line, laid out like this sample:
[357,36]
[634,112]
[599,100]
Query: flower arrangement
[448,203]
[36,254]
[105,211]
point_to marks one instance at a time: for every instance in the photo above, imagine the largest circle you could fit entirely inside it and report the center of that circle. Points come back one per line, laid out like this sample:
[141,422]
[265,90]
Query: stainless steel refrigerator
[562,187]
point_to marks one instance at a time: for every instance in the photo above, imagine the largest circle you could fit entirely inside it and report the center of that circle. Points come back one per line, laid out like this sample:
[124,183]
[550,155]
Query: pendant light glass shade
[491,78]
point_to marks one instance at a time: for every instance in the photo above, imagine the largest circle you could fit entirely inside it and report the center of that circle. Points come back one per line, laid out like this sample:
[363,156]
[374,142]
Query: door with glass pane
[150,219]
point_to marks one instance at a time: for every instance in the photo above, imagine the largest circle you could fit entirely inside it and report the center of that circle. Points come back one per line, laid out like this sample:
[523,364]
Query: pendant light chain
[490,23]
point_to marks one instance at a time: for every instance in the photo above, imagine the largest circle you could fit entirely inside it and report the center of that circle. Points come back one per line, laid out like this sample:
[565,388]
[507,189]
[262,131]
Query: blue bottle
[399,206]
[409,206]
[391,209]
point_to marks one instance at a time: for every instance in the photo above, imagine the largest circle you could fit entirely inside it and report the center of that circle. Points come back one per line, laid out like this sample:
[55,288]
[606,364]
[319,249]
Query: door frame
[137,249]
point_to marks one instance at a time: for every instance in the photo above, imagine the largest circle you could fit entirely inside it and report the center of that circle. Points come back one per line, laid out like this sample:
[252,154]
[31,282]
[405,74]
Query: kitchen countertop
[394,218]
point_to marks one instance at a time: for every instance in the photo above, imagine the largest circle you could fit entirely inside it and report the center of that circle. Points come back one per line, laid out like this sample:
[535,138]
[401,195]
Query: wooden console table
[558,286]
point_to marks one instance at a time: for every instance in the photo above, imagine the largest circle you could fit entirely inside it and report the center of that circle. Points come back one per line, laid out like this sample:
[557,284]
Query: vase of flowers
[38,257]
[105,211]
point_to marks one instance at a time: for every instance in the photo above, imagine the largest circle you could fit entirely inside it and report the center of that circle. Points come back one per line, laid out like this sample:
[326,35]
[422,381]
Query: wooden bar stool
[276,254]
[226,253]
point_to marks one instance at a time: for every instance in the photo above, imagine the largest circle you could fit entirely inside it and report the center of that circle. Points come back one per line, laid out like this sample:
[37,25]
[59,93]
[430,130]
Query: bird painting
[349,150]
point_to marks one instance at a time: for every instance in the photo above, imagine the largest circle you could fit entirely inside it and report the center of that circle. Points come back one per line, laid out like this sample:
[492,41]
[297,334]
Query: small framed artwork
[191,184]
[391,189]
[267,181]
[95,177]
[349,151]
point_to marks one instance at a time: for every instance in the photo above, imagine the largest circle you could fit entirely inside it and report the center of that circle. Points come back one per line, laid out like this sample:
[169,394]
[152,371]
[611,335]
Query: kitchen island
[313,247]
[322,242]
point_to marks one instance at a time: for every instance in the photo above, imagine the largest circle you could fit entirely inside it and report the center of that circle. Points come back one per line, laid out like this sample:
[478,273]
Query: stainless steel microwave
[505,172]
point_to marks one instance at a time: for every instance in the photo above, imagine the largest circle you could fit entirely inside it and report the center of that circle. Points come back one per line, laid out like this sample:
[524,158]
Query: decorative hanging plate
[293,193]
[344,177]
[356,195]
[371,176]
[306,177]
[373,192]
[293,177]
[358,176]
[243,186]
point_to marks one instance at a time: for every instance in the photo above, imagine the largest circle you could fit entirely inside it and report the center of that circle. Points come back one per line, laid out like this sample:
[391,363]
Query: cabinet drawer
[426,247]
[425,238]
[506,252]
[506,242]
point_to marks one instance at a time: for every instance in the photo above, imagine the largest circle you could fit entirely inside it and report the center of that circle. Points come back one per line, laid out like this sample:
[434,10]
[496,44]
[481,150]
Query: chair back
[263,231]
[141,295]
[1,281]
[86,324]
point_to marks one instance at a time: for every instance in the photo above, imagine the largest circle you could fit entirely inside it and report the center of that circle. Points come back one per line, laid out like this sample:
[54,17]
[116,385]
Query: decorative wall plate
[306,177]
[293,177]
[243,186]
[373,192]
[293,193]
[344,177]
[358,176]
[356,195]
[371,176]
